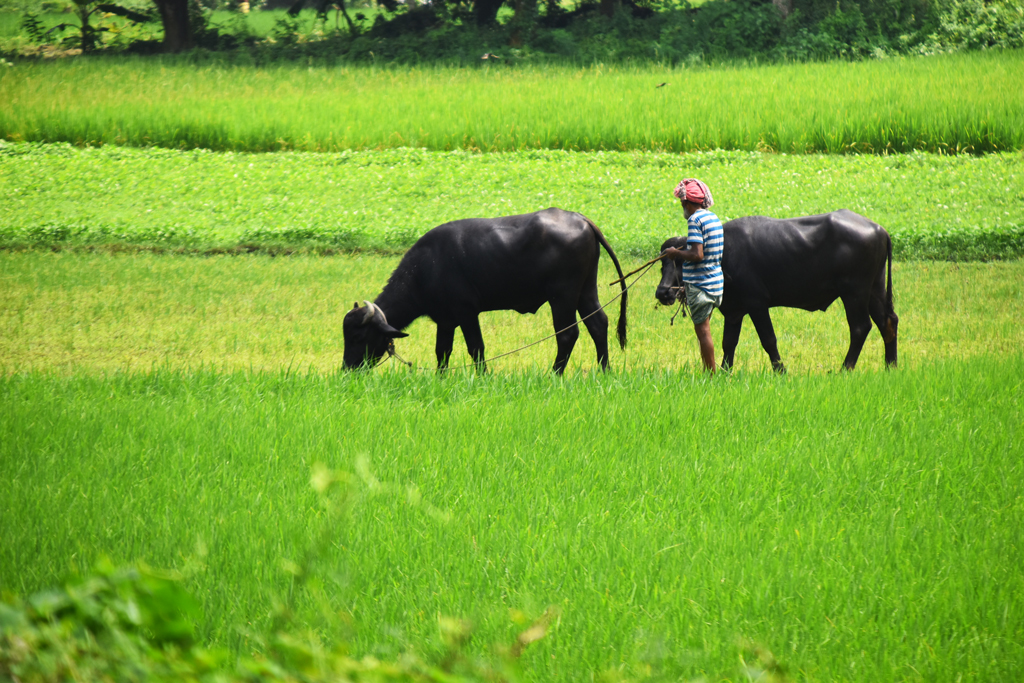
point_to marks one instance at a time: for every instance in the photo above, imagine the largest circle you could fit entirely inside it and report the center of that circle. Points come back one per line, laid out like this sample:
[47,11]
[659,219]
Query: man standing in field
[702,262]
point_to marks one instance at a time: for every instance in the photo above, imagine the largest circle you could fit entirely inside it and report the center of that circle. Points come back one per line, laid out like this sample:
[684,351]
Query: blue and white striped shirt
[705,228]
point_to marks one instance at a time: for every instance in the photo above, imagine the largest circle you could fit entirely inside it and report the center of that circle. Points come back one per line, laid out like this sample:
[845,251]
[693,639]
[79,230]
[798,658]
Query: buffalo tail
[888,283]
[620,330]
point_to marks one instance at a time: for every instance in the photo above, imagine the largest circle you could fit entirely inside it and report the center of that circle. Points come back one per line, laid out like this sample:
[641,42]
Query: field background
[393,152]
[164,394]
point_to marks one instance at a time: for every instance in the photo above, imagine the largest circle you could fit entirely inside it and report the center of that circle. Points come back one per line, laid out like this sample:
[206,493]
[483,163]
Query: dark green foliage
[717,30]
[977,24]
[738,28]
[87,34]
[649,30]
[33,28]
[208,36]
[132,15]
[129,624]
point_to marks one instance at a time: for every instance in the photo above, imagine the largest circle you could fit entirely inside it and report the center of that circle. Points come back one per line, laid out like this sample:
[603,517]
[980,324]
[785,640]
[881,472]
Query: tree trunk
[523,21]
[486,11]
[352,30]
[177,29]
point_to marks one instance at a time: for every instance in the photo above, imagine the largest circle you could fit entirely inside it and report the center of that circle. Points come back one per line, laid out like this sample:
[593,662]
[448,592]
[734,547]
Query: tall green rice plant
[896,105]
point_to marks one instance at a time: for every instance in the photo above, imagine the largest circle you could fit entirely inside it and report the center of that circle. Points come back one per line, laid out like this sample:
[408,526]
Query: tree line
[587,30]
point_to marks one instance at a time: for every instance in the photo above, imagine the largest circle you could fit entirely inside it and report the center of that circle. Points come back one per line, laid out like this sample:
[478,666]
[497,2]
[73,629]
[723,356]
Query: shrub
[977,24]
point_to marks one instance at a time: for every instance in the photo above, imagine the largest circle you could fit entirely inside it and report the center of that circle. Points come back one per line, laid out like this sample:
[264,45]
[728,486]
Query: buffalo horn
[370,309]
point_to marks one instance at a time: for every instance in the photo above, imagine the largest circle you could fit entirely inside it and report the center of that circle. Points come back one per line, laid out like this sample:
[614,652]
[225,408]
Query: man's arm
[694,252]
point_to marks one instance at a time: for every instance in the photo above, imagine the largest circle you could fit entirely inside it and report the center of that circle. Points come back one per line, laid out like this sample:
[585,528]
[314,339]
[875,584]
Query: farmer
[702,262]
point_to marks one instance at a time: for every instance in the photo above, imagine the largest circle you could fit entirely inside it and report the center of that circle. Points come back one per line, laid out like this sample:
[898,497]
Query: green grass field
[859,526]
[934,206]
[73,313]
[895,105]
[169,407]
[862,527]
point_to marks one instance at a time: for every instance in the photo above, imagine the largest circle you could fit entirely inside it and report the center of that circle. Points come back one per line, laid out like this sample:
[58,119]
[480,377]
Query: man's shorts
[701,303]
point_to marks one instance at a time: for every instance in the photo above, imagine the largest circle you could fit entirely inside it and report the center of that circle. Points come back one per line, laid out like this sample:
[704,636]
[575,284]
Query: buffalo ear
[392,332]
[355,305]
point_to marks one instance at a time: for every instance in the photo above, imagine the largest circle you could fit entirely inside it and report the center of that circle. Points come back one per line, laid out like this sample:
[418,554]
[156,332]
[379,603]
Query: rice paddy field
[857,527]
[955,103]
[178,249]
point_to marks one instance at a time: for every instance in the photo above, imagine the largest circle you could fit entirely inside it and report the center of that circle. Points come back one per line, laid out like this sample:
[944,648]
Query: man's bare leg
[707,344]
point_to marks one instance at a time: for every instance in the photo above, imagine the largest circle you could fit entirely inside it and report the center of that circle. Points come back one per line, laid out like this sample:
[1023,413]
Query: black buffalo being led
[460,269]
[804,263]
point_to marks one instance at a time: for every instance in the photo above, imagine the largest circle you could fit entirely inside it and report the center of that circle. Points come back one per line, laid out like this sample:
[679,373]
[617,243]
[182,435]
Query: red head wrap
[693,190]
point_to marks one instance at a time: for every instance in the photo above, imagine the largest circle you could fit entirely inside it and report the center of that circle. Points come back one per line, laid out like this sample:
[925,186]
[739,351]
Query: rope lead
[646,267]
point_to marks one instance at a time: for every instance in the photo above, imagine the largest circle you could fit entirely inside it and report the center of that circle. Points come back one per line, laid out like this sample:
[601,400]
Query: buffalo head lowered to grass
[460,269]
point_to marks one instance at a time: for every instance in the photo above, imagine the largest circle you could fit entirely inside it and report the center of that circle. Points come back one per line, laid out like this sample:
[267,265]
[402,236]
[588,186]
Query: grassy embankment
[896,105]
[934,206]
[864,526]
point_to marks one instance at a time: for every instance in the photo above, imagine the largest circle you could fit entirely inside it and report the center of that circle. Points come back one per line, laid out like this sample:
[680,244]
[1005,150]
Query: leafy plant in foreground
[121,624]
[138,624]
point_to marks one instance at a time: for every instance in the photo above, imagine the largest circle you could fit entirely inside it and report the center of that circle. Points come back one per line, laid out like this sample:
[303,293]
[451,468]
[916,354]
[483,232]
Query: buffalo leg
[567,332]
[888,323]
[597,326]
[474,342]
[443,345]
[860,325]
[762,320]
[730,338]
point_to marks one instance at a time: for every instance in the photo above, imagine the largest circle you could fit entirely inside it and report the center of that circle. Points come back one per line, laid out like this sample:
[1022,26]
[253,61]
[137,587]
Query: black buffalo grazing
[807,263]
[460,269]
